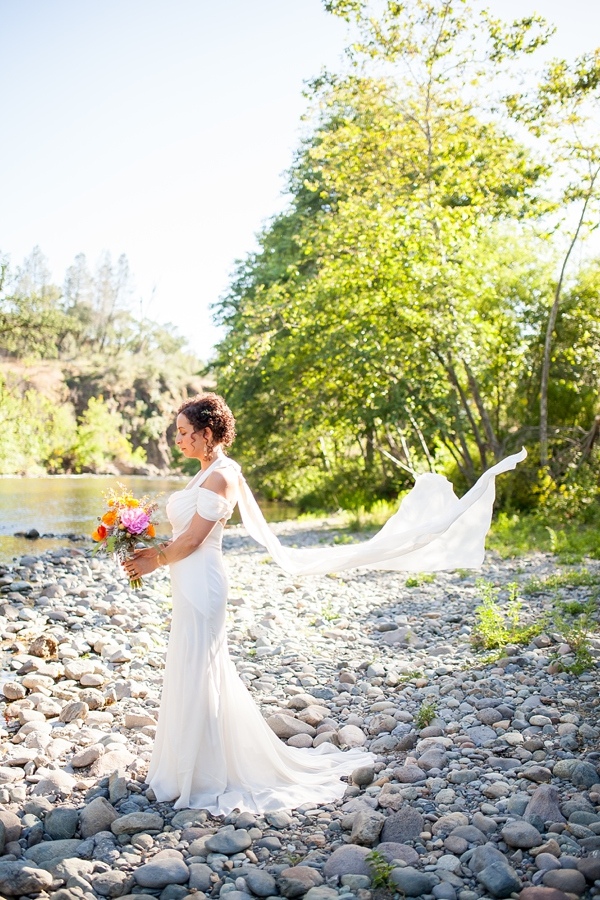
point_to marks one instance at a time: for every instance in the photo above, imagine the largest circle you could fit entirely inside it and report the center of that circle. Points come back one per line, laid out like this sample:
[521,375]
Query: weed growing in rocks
[418,580]
[497,626]
[381,870]
[425,715]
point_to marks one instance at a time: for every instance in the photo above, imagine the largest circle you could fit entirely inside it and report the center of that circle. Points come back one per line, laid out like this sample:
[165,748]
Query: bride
[213,749]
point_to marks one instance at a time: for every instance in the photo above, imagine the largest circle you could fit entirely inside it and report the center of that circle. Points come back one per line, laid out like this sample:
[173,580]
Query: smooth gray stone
[200,877]
[246,820]
[544,805]
[229,840]
[584,775]
[188,817]
[582,817]
[54,850]
[517,804]
[392,850]
[98,815]
[411,882]
[503,763]
[161,873]
[261,883]
[522,835]
[434,758]
[485,856]
[563,768]
[321,893]
[402,826]
[363,775]
[480,734]
[469,833]
[568,880]
[348,860]
[18,878]
[134,822]
[499,880]
[297,880]
[367,827]
[444,891]
[112,884]
[174,892]
[61,823]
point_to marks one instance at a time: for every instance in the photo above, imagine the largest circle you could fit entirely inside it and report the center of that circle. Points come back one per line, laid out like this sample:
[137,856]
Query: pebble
[498,794]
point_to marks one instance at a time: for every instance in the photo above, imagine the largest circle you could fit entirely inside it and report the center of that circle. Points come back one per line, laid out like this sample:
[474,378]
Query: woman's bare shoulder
[223,481]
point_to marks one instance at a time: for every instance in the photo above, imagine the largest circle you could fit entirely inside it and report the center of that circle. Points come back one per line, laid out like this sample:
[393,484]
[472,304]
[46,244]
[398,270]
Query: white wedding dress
[213,749]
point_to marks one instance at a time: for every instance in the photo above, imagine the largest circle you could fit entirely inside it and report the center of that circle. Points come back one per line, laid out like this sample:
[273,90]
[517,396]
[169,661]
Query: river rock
[348,860]
[98,815]
[261,883]
[571,881]
[229,840]
[411,882]
[584,775]
[297,880]
[18,878]
[542,893]
[521,835]
[286,726]
[12,825]
[133,823]
[61,823]
[53,850]
[484,856]
[499,880]
[57,782]
[402,826]
[160,873]
[545,805]
[366,827]
[350,736]
[391,850]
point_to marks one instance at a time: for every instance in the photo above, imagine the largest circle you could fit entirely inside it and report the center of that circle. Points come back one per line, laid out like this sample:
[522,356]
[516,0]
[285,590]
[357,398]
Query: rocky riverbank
[487,781]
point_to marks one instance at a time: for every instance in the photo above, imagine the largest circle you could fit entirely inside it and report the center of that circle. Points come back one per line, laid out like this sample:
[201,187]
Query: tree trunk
[483,413]
[545,380]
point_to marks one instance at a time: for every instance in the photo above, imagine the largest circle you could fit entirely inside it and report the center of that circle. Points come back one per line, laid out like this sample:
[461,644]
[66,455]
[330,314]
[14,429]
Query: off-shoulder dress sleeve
[212,506]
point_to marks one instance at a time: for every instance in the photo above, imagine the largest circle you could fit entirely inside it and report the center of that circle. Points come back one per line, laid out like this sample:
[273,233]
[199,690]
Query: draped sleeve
[212,506]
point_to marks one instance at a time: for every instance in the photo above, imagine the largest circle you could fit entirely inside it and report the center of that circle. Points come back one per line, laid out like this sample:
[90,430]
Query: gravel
[498,794]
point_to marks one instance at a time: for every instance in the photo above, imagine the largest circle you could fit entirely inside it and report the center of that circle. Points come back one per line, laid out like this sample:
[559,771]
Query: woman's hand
[141,563]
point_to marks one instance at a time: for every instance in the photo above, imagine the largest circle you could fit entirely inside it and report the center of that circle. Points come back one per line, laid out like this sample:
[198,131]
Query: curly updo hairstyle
[210,411]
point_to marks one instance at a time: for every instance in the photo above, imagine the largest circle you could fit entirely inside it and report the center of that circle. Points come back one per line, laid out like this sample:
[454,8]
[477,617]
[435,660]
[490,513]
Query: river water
[70,504]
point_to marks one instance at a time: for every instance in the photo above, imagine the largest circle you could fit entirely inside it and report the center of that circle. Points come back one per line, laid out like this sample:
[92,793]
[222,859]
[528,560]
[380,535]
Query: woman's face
[187,440]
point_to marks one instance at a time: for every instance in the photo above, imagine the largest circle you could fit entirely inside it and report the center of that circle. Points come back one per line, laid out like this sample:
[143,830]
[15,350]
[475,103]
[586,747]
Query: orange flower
[150,530]
[110,517]
[100,533]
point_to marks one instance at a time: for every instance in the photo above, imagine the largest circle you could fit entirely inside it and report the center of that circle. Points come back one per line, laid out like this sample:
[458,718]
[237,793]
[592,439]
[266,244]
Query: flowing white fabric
[432,530]
[213,749]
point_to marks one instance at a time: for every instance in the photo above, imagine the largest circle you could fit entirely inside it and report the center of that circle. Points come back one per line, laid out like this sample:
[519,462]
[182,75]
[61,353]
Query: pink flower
[135,520]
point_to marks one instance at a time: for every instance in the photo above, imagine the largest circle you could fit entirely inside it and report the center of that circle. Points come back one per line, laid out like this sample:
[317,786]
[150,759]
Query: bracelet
[158,555]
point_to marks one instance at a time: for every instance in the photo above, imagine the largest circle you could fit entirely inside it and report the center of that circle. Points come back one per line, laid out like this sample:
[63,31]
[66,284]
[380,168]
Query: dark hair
[210,411]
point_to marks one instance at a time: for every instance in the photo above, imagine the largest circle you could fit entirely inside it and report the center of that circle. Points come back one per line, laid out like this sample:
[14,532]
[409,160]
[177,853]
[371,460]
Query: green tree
[564,112]
[379,327]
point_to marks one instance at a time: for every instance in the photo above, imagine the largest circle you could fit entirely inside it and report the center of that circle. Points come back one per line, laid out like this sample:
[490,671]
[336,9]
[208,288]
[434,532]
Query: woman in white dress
[213,749]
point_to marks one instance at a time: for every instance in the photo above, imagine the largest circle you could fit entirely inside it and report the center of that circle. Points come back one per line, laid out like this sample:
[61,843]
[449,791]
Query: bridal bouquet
[126,523]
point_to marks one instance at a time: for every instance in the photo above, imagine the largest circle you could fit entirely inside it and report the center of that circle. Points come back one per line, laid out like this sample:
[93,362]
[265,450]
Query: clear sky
[161,129]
